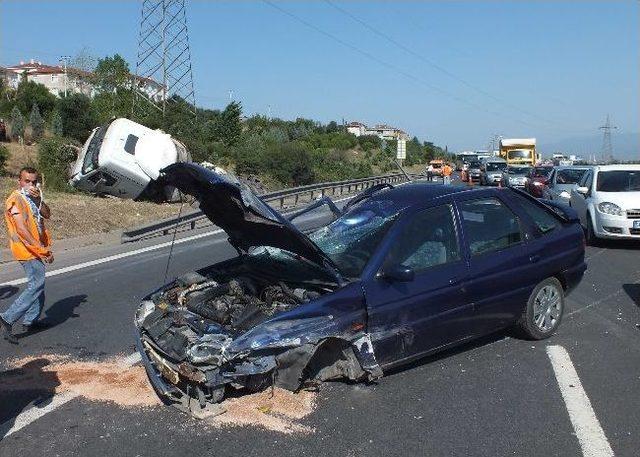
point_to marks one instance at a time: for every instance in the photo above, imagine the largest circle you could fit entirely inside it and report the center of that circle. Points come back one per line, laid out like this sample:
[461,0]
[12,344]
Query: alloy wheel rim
[547,307]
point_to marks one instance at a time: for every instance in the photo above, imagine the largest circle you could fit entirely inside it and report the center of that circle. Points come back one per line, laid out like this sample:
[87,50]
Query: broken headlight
[145,308]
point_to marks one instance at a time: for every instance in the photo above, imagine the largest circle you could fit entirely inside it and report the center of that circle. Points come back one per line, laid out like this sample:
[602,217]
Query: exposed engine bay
[203,332]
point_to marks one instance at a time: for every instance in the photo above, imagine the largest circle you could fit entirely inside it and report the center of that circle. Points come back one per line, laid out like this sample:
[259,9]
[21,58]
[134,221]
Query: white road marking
[91,263]
[592,439]
[34,413]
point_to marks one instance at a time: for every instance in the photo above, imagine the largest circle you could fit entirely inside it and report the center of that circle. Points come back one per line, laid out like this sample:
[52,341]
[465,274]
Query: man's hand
[48,259]
[34,192]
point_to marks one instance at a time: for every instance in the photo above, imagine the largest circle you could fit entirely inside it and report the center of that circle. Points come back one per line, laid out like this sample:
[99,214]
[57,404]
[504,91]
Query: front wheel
[543,313]
[589,233]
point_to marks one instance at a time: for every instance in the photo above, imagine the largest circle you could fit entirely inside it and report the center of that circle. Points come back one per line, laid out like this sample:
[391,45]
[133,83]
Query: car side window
[489,225]
[544,220]
[429,239]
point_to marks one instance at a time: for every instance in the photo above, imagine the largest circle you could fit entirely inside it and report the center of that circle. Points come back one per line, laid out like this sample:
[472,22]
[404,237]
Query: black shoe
[7,331]
[35,326]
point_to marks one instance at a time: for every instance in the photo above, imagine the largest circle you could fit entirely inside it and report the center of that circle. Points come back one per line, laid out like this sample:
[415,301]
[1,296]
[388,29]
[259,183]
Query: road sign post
[402,150]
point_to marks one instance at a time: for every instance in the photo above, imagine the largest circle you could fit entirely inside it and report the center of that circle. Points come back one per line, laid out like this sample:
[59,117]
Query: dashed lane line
[590,435]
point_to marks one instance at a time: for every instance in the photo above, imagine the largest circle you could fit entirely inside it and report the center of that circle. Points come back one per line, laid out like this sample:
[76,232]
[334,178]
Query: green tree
[55,156]
[112,74]
[56,123]
[77,117]
[228,126]
[30,93]
[17,123]
[37,123]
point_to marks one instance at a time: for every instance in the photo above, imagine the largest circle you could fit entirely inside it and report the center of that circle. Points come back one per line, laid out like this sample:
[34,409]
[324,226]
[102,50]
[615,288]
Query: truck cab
[123,158]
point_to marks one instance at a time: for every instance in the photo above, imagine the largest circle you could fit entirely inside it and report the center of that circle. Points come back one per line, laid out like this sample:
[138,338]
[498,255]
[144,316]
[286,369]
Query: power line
[433,64]
[384,63]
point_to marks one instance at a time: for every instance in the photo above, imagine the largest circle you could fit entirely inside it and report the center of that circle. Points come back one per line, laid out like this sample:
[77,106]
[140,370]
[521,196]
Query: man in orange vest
[446,173]
[29,241]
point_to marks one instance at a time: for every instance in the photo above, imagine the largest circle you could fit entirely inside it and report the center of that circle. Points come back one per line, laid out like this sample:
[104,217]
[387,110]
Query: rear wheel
[543,313]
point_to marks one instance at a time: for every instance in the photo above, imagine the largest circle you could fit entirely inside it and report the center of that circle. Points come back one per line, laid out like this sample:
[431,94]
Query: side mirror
[582,190]
[398,273]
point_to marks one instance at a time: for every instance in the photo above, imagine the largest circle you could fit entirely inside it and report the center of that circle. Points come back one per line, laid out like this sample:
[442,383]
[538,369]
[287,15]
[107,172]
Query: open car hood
[248,220]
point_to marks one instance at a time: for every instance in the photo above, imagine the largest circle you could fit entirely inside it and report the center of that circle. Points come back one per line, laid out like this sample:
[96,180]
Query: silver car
[515,176]
[561,181]
[491,173]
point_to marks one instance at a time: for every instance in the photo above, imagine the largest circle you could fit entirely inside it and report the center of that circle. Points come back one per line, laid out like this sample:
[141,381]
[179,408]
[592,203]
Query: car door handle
[534,258]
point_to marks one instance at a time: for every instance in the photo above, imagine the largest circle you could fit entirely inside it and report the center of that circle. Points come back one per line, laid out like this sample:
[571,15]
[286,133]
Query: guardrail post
[295,200]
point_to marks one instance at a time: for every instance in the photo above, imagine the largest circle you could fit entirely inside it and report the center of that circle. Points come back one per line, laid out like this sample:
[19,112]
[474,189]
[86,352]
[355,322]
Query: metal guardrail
[285,198]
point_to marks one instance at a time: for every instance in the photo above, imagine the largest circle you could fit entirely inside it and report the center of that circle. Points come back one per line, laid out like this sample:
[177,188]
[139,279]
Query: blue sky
[454,73]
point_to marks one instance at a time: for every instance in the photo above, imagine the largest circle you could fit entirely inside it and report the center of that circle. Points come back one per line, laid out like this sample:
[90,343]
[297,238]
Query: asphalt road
[495,397]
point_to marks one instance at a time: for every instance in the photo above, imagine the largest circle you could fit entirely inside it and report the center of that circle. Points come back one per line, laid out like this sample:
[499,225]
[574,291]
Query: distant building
[382,131]
[74,80]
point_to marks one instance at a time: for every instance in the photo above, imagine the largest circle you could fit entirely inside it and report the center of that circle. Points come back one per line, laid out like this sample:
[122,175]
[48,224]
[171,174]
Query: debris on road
[109,380]
[276,409]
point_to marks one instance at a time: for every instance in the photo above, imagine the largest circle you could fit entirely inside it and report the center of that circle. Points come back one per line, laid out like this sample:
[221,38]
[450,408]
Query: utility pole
[230,95]
[163,68]
[607,150]
[64,60]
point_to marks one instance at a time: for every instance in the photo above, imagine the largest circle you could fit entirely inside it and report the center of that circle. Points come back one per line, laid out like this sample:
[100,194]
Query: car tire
[543,313]
[589,233]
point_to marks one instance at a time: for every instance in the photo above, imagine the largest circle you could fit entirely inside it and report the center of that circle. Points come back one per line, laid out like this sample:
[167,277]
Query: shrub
[55,156]
[56,124]
[4,156]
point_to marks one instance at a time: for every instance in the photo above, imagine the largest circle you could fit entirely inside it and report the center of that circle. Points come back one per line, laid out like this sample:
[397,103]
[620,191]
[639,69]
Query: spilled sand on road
[112,380]
[275,409]
[109,380]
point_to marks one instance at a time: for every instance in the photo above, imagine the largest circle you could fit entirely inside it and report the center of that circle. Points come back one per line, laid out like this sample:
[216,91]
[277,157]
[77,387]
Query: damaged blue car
[401,273]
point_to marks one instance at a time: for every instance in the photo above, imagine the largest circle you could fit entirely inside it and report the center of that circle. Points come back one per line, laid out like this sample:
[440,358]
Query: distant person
[446,173]
[29,241]
[430,173]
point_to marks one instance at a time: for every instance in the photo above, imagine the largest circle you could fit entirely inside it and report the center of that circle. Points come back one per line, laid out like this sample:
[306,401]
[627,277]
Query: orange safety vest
[447,170]
[20,248]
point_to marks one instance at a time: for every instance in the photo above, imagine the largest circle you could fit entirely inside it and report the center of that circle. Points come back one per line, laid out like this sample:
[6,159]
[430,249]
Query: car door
[498,283]
[579,201]
[411,317]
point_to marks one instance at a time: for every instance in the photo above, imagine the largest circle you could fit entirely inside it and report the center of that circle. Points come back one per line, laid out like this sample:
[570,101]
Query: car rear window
[544,220]
[569,175]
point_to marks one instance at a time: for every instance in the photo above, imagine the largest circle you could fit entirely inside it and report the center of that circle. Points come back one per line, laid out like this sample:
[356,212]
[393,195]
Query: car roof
[574,167]
[419,192]
[626,166]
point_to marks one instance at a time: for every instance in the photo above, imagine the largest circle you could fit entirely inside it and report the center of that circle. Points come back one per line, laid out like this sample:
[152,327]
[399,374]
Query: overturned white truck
[123,158]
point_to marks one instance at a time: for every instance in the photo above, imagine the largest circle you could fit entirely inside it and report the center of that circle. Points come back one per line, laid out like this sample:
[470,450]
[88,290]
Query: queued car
[537,179]
[436,167]
[471,172]
[607,200]
[561,181]
[491,172]
[515,176]
[402,272]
